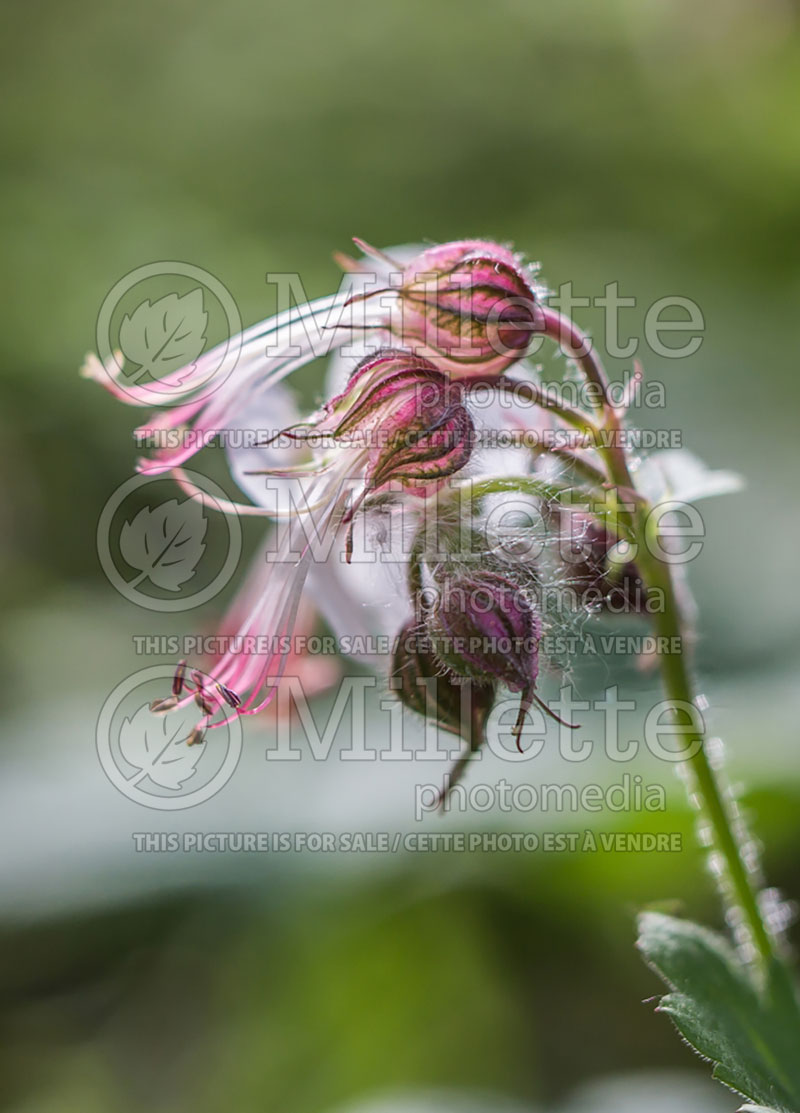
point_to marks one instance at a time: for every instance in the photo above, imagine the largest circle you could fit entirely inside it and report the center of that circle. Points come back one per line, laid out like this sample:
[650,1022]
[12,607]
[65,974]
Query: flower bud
[428,436]
[424,685]
[470,305]
[400,418]
[585,547]
[484,627]
[409,416]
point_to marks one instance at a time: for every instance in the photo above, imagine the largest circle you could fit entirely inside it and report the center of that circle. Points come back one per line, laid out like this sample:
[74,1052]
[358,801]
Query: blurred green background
[655,144]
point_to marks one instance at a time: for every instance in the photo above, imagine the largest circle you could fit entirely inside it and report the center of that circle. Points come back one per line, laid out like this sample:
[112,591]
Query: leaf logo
[155,745]
[165,543]
[164,335]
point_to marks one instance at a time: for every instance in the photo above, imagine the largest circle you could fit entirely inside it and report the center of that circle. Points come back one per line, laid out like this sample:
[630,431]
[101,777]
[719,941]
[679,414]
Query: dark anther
[177,680]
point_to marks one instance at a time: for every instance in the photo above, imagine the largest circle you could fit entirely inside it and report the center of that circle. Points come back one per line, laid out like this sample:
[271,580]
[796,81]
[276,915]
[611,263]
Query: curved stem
[561,493]
[578,347]
[527,392]
[571,460]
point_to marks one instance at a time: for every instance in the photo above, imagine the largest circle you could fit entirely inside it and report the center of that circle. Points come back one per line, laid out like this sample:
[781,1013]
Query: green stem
[522,391]
[737,882]
[563,494]
[738,890]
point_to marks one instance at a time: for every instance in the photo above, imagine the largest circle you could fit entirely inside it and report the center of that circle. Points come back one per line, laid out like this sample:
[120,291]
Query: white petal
[367,599]
[680,475]
[268,414]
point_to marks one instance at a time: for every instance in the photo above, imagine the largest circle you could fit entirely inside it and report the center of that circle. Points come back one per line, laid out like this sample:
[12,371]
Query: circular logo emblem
[165,325]
[168,552]
[151,757]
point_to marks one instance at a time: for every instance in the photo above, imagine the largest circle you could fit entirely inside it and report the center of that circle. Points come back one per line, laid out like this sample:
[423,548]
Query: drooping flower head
[470,305]
[399,420]
[398,430]
[483,626]
[425,685]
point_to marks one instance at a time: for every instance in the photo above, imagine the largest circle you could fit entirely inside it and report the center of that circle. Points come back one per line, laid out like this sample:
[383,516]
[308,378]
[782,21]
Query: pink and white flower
[396,433]
[470,305]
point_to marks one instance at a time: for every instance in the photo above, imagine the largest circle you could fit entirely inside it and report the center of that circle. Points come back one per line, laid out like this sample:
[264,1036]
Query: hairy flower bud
[585,547]
[406,418]
[422,431]
[484,627]
[425,685]
[470,305]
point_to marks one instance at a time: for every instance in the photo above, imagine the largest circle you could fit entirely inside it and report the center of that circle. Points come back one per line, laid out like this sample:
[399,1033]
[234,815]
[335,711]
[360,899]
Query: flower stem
[737,881]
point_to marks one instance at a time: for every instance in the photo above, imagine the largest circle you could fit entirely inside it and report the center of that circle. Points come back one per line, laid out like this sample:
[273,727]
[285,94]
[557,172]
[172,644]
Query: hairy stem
[737,881]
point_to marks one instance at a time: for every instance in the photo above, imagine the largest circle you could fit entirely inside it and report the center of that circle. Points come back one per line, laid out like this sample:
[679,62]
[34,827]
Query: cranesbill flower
[397,431]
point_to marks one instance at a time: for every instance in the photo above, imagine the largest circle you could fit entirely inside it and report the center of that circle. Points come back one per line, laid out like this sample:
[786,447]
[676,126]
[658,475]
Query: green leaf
[750,1033]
